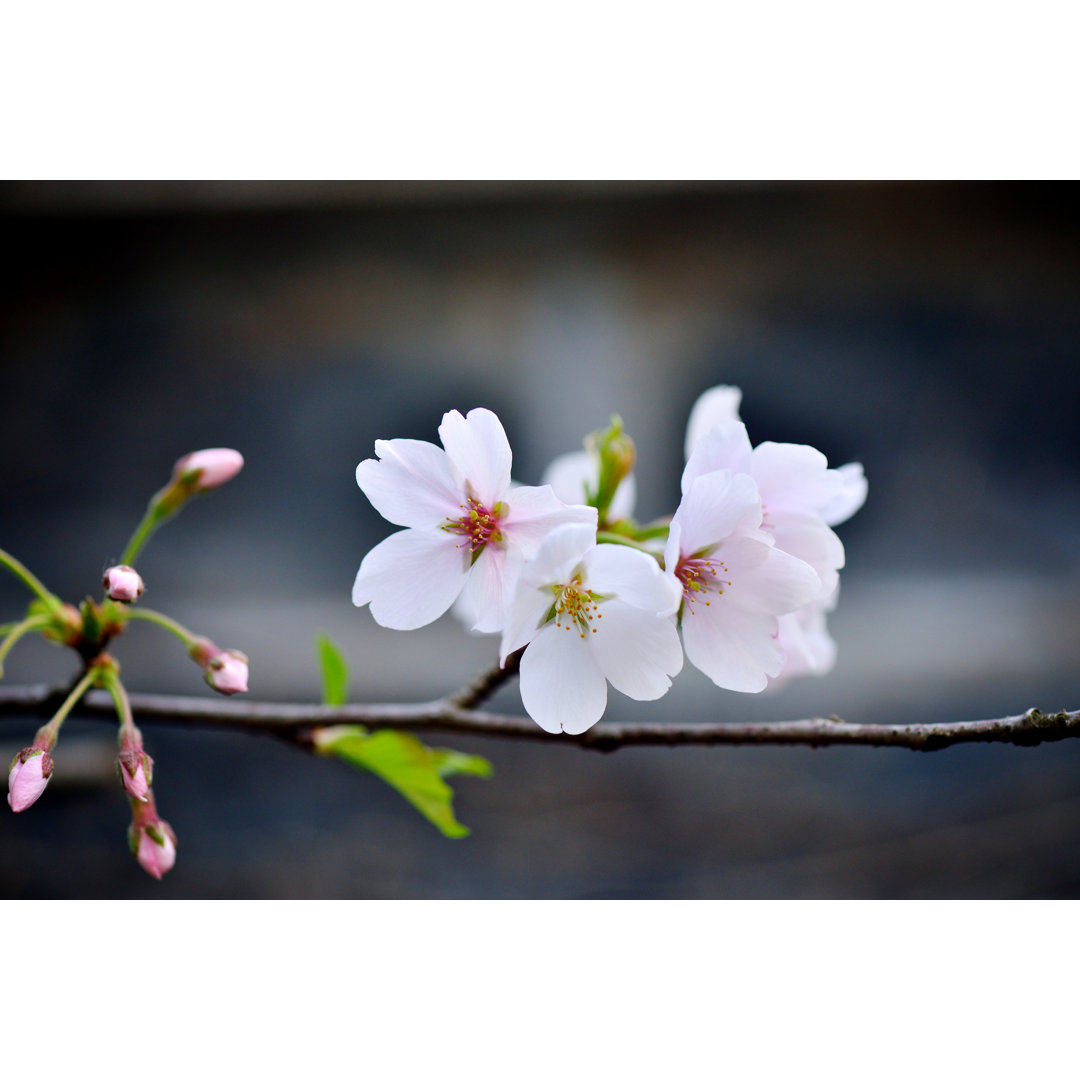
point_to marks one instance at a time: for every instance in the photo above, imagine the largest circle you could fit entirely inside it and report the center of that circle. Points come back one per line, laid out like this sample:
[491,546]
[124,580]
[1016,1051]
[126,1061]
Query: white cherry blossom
[466,529]
[795,484]
[590,614]
[734,583]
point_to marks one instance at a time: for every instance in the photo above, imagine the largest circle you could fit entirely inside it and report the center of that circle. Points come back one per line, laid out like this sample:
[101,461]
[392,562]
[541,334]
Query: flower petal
[725,446]
[764,579]
[851,497]
[737,649]
[490,587]
[559,554]
[478,447]
[715,405]
[717,505]
[638,652]
[633,577]
[794,477]
[533,512]
[411,578]
[412,484]
[562,689]
[808,538]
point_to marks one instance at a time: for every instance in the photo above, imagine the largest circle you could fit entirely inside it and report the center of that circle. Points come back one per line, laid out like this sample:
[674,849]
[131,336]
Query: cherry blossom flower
[590,614]
[734,582]
[795,484]
[466,528]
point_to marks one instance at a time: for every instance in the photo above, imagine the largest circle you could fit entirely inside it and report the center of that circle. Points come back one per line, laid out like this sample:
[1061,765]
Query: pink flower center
[478,525]
[698,578]
[575,606]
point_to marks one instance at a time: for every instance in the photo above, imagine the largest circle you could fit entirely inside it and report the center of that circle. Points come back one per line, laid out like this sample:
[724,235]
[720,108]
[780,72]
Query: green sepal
[414,770]
[615,453]
[335,672]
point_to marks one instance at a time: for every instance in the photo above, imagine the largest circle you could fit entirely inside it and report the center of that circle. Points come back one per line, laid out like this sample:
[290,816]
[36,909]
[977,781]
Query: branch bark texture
[296,722]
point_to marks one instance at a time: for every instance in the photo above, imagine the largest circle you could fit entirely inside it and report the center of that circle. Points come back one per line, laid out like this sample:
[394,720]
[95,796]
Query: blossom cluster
[741,576]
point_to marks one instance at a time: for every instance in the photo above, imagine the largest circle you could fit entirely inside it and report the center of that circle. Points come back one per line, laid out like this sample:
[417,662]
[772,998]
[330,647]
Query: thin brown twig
[296,722]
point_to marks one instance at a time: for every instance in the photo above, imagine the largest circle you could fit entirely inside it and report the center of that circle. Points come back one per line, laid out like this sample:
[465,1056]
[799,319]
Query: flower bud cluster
[740,577]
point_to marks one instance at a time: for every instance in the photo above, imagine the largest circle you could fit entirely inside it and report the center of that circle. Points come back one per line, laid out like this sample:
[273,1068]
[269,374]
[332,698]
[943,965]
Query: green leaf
[335,673]
[414,770]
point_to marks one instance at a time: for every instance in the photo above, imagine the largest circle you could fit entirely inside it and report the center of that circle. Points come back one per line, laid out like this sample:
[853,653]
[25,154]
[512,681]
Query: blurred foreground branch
[296,723]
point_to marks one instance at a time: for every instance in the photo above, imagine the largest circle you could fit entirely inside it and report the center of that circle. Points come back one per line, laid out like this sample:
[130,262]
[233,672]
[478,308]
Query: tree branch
[295,723]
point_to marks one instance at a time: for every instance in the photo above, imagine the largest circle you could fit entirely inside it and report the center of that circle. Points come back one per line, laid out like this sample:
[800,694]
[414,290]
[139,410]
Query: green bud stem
[120,700]
[46,737]
[155,617]
[162,506]
[16,631]
[29,580]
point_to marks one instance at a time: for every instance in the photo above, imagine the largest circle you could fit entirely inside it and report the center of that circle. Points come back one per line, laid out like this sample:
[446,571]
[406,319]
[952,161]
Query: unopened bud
[154,845]
[227,672]
[206,469]
[136,772]
[28,776]
[123,583]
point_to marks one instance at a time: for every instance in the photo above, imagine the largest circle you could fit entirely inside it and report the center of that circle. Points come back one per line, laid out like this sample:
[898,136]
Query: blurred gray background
[930,331]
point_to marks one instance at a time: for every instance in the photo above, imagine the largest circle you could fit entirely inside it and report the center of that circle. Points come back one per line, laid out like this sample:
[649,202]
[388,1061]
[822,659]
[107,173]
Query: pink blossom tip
[227,672]
[27,778]
[155,849]
[206,469]
[123,583]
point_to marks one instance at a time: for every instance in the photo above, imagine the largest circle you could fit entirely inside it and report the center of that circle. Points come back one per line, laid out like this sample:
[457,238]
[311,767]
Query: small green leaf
[451,763]
[335,673]
[414,770]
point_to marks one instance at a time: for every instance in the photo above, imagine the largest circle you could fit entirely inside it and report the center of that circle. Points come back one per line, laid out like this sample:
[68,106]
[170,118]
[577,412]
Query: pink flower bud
[206,469]
[123,583]
[154,846]
[136,770]
[227,672]
[29,774]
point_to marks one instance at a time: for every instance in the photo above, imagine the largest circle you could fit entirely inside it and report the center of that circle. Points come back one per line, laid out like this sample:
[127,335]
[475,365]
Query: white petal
[478,447]
[413,483]
[633,576]
[638,652]
[791,476]
[490,587]
[562,689]
[764,579]
[570,474]
[411,578]
[736,649]
[717,505]
[808,538]
[559,554]
[851,497]
[527,613]
[726,446]
[807,645]
[533,512]
[719,403]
